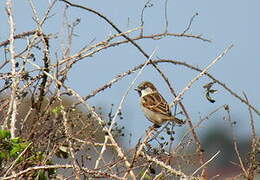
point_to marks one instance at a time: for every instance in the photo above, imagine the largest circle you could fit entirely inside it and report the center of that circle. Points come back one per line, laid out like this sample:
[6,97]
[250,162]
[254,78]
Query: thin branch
[46,51]
[121,76]
[146,171]
[95,115]
[166,16]
[191,20]
[252,156]
[144,53]
[205,163]
[148,4]
[120,106]
[129,88]
[198,124]
[15,81]
[235,141]
[66,166]
[36,168]
[135,44]
[214,79]
[105,44]
[178,98]
[163,165]
[46,15]
[18,36]
[71,150]
[18,158]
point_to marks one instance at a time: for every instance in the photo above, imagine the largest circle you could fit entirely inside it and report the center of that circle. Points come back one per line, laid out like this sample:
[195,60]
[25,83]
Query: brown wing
[156,101]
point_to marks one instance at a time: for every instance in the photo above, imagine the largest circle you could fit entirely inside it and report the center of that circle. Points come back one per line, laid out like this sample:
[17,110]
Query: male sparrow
[154,106]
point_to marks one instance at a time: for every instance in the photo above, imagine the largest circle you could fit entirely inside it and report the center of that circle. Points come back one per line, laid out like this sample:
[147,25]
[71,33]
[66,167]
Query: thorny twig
[197,125]
[17,159]
[205,163]
[235,141]
[178,98]
[12,111]
[60,166]
[252,158]
[120,107]
[147,56]
[87,52]
[71,150]
[18,36]
[98,118]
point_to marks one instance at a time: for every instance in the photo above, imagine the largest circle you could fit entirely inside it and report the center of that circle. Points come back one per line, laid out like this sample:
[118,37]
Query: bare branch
[178,98]
[235,141]
[191,20]
[252,156]
[13,102]
[197,170]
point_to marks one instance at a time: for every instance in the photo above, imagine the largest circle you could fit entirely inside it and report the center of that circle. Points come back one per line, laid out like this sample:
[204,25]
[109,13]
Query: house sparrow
[154,106]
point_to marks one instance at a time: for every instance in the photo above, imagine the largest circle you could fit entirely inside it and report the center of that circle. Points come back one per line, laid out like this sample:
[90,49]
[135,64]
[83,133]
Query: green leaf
[24,145]
[57,110]
[15,150]
[4,134]
[16,140]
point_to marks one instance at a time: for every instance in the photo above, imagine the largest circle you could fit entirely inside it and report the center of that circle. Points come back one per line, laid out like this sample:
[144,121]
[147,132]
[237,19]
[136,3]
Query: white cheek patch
[146,91]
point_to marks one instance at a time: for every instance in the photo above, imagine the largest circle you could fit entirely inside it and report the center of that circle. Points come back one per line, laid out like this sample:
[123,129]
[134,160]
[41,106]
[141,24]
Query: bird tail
[177,120]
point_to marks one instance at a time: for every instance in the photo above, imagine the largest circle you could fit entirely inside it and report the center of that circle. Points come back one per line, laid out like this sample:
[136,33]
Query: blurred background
[223,22]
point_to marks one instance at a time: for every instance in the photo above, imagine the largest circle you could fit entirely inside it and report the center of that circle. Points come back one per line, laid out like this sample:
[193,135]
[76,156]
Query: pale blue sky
[224,22]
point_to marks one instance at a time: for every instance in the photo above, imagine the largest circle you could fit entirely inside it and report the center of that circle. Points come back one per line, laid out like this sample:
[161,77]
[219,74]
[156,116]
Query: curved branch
[120,76]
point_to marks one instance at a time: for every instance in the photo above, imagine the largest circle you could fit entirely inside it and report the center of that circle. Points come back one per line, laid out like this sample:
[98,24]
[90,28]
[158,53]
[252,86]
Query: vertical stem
[13,101]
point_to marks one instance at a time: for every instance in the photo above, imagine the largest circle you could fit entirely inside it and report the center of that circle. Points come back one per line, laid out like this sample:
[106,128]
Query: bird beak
[138,90]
